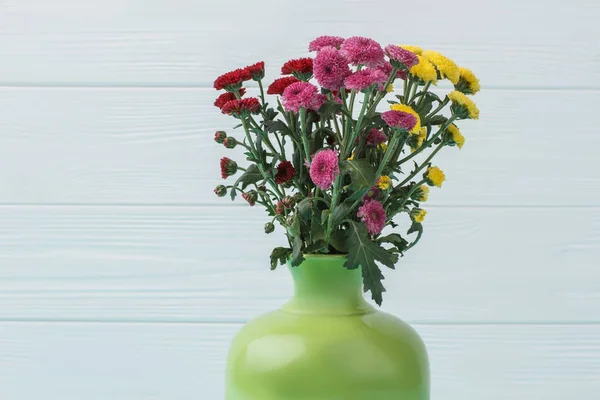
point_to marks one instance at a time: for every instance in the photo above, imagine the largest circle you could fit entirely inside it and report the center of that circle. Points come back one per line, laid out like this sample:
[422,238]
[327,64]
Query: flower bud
[220,136]
[221,191]
[230,142]
[279,208]
[228,167]
[250,196]
[288,202]
[417,214]
[421,193]
[269,227]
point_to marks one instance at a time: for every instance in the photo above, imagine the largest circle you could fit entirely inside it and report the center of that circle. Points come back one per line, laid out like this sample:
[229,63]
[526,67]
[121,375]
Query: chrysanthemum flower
[250,196]
[257,71]
[424,70]
[301,68]
[228,167]
[372,194]
[242,107]
[331,68]
[325,41]
[232,81]
[364,79]
[416,141]
[407,109]
[373,215]
[221,191]
[279,85]
[445,66]
[456,138]
[413,49]
[324,168]
[375,137]
[462,106]
[384,182]
[418,214]
[401,57]
[399,119]
[435,176]
[300,95]
[361,50]
[421,193]
[220,136]
[227,96]
[230,142]
[285,172]
[468,82]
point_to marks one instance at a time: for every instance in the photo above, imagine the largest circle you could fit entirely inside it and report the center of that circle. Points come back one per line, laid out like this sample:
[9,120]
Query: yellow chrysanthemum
[457,137]
[463,106]
[435,176]
[418,214]
[445,66]
[409,110]
[421,194]
[383,147]
[468,82]
[418,140]
[384,182]
[389,88]
[424,70]
[351,157]
[413,49]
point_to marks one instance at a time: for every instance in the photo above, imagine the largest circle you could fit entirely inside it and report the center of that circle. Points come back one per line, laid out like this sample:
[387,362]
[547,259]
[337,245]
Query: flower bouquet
[332,162]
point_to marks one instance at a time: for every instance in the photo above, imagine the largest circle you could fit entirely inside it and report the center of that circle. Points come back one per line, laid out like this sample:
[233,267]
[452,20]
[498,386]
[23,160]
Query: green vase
[327,343]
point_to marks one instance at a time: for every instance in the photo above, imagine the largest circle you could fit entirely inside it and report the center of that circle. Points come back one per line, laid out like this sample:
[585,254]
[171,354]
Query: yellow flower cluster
[418,140]
[464,104]
[446,67]
[409,110]
[418,214]
[424,70]
[457,137]
[384,182]
[468,82]
[435,176]
[413,49]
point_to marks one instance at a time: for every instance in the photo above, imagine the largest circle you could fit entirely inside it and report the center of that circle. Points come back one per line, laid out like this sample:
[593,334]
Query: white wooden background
[123,277]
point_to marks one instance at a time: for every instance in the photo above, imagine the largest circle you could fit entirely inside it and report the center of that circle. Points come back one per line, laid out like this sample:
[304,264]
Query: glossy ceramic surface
[327,343]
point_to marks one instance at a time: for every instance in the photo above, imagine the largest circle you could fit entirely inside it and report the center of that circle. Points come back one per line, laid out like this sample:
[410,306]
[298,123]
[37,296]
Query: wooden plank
[187,361]
[154,146]
[186,42]
[210,264]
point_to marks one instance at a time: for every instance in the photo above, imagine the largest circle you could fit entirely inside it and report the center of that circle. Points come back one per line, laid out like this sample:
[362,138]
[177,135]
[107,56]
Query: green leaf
[277,126]
[305,208]
[395,239]
[359,194]
[325,216]
[415,227]
[438,120]
[297,256]
[294,229]
[316,247]
[329,108]
[361,173]
[250,176]
[279,254]
[317,232]
[364,252]
[338,241]
[341,211]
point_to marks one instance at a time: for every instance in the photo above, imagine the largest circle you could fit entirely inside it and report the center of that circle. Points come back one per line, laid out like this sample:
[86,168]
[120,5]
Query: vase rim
[324,255]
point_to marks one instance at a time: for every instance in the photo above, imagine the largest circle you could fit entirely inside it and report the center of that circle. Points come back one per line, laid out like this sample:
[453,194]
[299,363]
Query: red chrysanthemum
[227,96]
[228,167]
[279,85]
[285,172]
[232,80]
[241,106]
[300,66]
[257,71]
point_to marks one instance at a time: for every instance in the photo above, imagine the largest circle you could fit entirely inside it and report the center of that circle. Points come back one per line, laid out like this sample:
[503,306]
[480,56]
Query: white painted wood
[211,264]
[189,42]
[73,361]
[155,146]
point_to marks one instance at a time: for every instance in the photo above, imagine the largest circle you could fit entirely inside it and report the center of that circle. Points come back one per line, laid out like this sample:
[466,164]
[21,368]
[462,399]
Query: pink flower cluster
[373,215]
[375,137]
[331,68]
[361,50]
[324,168]
[302,95]
[364,79]
[325,41]
[399,119]
[397,53]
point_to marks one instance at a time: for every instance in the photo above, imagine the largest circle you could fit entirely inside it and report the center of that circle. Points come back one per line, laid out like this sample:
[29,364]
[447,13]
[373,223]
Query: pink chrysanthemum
[373,215]
[362,50]
[375,137]
[372,194]
[387,68]
[324,168]
[365,78]
[331,68]
[324,41]
[300,94]
[407,58]
[399,119]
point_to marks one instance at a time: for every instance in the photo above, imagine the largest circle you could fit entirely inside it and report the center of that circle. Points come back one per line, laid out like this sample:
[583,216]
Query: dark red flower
[279,85]
[285,172]
[257,70]
[227,96]
[241,107]
[232,81]
[300,66]
[228,167]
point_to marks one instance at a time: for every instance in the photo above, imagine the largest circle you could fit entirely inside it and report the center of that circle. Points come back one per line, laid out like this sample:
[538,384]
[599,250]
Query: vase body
[327,343]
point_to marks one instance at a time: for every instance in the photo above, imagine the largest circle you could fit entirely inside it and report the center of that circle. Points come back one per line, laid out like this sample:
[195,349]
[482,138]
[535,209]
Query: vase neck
[322,285]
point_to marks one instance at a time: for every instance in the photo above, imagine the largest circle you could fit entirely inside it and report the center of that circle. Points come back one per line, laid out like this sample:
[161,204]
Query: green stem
[262,93]
[429,142]
[424,91]
[388,153]
[304,134]
[433,153]
[442,105]
[358,127]
[334,203]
